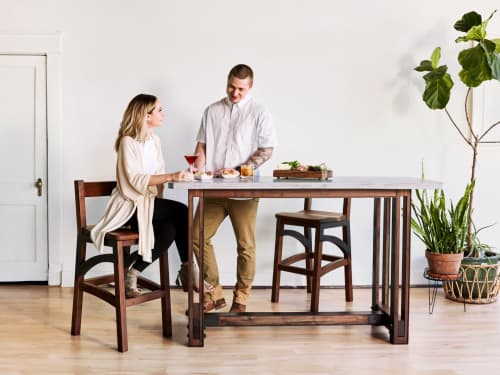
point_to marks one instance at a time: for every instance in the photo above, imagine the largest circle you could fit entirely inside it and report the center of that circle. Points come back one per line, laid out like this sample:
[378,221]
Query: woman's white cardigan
[131,193]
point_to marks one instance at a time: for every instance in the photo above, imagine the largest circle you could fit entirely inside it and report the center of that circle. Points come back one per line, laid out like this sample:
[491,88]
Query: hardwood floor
[35,338]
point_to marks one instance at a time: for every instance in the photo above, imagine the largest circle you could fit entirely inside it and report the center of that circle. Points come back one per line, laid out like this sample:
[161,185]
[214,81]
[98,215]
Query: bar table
[390,305]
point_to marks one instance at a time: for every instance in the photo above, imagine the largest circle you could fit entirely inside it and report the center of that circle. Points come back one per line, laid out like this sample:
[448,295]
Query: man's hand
[218,172]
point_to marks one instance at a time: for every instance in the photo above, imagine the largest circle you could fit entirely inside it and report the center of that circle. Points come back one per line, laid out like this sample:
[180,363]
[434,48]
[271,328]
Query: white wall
[337,78]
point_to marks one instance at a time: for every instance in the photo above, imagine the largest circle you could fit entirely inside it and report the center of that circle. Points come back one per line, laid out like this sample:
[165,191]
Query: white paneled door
[23,169]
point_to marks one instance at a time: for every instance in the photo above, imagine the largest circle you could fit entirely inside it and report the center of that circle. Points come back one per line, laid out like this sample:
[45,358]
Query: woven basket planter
[480,284]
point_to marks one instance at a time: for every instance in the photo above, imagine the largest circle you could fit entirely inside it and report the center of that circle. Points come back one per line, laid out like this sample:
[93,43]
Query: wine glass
[191,158]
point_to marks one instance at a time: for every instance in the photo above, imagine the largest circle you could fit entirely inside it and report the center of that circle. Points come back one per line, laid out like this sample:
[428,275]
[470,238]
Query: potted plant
[442,229]
[480,62]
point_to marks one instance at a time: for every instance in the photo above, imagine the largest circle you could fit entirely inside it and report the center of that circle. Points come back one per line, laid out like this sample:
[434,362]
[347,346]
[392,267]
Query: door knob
[39,185]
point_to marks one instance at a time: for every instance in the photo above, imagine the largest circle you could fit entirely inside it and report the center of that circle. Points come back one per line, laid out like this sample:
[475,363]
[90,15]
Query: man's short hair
[241,71]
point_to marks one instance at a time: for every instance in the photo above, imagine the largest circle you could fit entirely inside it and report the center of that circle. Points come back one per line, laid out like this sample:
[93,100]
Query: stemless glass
[247,171]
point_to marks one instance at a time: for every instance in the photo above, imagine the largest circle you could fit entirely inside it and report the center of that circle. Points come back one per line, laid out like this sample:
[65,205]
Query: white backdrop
[337,76]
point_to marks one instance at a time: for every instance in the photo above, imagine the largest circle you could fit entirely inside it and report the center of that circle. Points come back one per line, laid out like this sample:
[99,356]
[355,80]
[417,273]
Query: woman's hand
[183,176]
[176,176]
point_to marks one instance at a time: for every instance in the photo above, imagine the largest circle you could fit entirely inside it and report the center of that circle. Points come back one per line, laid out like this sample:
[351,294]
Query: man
[235,130]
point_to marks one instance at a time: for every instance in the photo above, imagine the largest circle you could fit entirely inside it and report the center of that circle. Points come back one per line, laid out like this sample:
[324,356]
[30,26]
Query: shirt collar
[241,103]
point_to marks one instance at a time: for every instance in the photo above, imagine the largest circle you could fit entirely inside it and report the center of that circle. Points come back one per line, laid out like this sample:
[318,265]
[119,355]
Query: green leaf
[437,88]
[435,57]
[485,23]
[461,39]
[476,33]
[492,57]
[475,67]
[494,62]
[442,229]
[467,21]
[497,44]
[425,66]
[436,74]
[488,46]
[293,164]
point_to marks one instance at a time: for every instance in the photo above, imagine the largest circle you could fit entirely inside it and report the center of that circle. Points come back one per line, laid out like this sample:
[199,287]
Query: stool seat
[121,234]
[312,216]
[313,254]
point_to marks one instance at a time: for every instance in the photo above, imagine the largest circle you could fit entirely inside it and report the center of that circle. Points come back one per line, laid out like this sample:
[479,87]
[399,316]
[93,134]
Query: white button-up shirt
[233,132]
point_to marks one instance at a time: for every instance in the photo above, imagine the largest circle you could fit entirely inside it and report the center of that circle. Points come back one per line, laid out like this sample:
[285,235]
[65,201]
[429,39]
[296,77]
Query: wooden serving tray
[317,175]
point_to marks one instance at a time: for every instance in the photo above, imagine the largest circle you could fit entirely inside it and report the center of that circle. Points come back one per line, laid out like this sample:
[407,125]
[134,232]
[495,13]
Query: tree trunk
[471,198]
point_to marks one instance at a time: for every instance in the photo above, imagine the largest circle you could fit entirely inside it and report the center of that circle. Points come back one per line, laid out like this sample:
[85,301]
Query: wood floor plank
[35,338]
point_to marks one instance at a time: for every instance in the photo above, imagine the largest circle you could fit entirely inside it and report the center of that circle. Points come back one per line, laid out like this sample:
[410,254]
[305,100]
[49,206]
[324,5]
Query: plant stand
[433,280]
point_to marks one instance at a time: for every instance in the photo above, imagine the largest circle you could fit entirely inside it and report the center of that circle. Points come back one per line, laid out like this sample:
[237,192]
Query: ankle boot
[183,277]
[131,289]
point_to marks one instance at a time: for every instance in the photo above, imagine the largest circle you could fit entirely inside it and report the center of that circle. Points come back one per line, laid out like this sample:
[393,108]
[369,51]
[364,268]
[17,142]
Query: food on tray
[230,173]
[284,167]
[316,168]
[297,166]
[296,169]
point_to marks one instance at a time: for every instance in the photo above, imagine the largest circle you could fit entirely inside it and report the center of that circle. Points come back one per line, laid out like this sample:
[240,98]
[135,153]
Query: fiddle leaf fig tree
[480,62]
[438,82]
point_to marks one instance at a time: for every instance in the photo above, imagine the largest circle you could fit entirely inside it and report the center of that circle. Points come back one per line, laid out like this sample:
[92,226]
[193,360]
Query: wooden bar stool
[120,241]
[313,255]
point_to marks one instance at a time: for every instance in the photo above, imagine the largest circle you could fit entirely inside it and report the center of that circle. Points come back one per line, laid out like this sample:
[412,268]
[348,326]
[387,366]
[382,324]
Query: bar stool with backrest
[120,241]
[313,248]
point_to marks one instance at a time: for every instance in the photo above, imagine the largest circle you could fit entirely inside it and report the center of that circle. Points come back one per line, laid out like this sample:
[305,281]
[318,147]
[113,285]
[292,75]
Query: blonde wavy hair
[134,118]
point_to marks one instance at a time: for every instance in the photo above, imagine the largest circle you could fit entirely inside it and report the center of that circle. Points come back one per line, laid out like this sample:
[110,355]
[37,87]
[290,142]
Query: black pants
[170,222]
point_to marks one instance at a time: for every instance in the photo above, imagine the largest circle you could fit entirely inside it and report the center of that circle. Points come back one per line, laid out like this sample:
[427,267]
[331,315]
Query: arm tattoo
[260,156]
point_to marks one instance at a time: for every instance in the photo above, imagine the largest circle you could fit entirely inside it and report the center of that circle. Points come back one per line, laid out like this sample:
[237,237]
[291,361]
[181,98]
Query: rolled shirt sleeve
[266,132]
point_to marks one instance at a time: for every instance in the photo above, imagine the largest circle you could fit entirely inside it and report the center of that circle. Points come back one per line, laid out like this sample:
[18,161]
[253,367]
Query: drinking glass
[247,171]
[191,158]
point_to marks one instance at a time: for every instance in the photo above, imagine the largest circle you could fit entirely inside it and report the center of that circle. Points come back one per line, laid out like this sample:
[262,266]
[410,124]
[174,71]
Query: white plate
[234,175]
[203,177]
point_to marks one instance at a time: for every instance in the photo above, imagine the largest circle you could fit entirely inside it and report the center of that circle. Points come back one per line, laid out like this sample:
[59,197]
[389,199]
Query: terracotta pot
[444,264]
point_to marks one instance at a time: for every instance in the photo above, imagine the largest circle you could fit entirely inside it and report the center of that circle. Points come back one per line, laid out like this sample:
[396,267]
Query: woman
[136,201]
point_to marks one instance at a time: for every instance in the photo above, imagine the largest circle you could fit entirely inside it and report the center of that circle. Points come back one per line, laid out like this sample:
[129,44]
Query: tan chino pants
[243,215]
